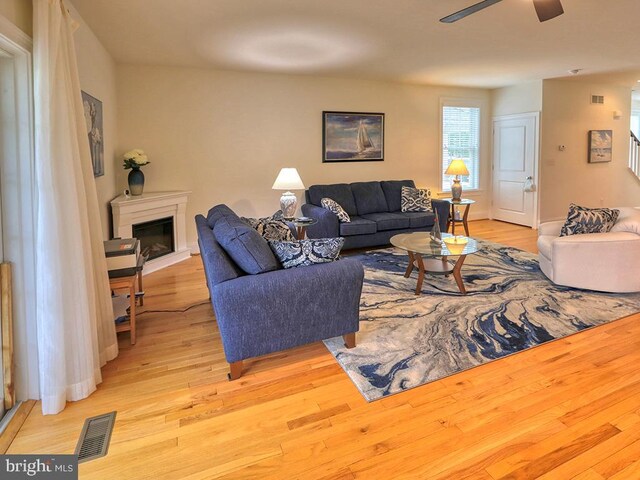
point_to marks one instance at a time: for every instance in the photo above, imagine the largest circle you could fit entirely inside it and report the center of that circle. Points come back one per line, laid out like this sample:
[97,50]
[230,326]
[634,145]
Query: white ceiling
[381,39]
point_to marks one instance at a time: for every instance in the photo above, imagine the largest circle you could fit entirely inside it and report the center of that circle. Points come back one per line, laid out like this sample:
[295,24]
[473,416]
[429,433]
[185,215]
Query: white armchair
[607,262]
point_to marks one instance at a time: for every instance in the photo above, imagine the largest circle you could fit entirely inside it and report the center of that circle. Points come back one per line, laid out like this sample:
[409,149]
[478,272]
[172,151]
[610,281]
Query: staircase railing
[634,155]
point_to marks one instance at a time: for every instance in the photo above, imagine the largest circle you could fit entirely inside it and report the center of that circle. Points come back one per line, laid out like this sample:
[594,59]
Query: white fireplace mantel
[130,211]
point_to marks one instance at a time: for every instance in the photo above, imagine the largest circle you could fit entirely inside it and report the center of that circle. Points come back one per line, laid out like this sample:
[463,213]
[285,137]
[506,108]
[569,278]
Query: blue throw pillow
[218,212]
[302,253]
[245,246]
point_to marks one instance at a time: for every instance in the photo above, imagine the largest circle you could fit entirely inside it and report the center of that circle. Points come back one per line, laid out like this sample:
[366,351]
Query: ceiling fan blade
[454,17]
[548,9]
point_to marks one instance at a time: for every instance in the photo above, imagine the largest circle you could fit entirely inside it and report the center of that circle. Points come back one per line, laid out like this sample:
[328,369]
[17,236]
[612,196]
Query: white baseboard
[194,247]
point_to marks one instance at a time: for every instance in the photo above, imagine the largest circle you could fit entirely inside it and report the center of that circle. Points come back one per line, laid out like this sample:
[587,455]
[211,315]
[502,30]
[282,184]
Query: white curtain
[76,332]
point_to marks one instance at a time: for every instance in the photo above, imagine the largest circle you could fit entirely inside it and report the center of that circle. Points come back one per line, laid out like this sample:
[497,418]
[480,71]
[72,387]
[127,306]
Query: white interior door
[515,160]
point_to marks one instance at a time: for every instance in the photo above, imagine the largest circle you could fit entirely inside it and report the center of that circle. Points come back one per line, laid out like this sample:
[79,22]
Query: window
[461,139]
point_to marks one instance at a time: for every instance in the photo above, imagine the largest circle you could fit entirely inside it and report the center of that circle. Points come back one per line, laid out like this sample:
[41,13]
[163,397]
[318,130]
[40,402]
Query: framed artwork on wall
[93,118]
[600,146]
[352,137]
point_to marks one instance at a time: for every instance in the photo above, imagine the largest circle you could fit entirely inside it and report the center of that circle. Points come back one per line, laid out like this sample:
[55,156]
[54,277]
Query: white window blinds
[461,139]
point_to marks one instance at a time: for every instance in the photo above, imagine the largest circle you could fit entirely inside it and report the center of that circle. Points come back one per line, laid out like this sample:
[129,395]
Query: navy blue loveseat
[280,309]
[374,208]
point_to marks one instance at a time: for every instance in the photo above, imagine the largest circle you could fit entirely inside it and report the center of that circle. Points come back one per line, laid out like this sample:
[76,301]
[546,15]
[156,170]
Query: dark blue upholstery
[278,310]
[388,221]
[218,212]
[369,197]
[357,226]
[419,219]
[248,249]
[328,225]
[269,312]
[393,192]
[340,192]
[213,254]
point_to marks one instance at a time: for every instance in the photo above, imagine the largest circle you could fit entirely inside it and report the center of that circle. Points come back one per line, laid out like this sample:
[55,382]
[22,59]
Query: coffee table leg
[420,273]
[410,266]
[456,274]
[445,264]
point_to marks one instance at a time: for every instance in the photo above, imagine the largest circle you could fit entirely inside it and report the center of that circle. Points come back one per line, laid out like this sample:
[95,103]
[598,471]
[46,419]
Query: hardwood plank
[566,409]
[12,429]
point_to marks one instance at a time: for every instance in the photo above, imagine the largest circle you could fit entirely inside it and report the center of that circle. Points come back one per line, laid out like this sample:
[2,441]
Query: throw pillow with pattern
[302,253]
[416,200]
[588,220]
[271,228]
[335,207]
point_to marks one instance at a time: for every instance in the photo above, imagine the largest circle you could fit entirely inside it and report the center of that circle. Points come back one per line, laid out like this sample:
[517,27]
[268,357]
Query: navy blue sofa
[374,208]
[279,309]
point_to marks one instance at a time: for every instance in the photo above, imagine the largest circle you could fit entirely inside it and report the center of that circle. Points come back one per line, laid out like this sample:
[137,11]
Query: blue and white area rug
[407,340]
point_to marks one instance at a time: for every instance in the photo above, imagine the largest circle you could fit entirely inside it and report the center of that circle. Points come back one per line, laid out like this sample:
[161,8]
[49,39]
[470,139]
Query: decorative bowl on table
[456,244]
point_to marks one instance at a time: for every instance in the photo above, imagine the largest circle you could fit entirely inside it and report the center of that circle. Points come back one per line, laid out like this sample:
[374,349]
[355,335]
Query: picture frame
[95,131]
[600,146]
[352,137]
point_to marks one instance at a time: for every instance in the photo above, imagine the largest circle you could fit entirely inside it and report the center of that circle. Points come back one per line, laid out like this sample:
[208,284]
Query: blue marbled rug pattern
[407,340]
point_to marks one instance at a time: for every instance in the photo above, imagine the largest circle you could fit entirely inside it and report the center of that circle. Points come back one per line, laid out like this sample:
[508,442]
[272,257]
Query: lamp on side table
[288,179]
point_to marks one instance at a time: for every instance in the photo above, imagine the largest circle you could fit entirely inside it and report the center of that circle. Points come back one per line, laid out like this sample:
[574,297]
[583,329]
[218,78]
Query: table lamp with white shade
[457,168]
[288,179]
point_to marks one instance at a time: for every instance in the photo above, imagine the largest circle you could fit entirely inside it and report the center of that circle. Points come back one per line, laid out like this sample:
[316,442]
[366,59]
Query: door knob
[529,185]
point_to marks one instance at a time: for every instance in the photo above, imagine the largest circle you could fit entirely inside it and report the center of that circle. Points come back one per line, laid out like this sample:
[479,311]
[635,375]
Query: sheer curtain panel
[76,332]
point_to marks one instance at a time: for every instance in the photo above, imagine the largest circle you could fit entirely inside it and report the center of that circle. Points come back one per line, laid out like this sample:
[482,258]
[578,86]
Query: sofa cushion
[245,246]
[335,208]
[270,228]
[419,219]
[388,221]
[369,197]
[582,220]
[217,264]
[218,212]
[340,192]
[358,226]
[393,192]
[416,200]
[302,253]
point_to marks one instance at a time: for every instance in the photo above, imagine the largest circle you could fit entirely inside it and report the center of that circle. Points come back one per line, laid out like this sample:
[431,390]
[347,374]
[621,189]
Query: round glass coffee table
[433,258]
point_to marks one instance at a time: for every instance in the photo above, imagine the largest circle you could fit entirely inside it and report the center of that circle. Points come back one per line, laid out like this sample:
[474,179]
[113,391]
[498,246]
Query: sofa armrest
[443,207]
[260,314]
[328,225]
[551,228]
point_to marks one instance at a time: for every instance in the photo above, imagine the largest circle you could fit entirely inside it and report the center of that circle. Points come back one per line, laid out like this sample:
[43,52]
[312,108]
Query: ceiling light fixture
[575,71]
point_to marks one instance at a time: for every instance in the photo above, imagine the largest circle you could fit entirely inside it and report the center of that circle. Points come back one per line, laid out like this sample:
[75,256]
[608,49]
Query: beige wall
[97,71]
[20,13]
[566,176]
[522,98]
[225,135]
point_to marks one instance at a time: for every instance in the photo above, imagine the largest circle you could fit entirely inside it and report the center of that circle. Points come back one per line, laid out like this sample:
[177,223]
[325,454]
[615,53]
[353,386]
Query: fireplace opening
[156,237]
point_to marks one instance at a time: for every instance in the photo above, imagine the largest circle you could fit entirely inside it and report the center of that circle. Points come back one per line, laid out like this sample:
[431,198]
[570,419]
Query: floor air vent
[95,437]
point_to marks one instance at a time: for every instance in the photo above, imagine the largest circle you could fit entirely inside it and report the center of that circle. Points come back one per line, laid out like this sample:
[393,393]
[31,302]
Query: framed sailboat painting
[352,137]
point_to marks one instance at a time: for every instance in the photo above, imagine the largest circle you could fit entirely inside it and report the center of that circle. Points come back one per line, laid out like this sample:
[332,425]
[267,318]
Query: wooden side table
[121,283]
[301,226]
[452,221]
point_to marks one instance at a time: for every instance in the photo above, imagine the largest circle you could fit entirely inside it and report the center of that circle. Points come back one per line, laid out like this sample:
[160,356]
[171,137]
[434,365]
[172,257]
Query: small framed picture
[352,137]
[93,118]
[600,146]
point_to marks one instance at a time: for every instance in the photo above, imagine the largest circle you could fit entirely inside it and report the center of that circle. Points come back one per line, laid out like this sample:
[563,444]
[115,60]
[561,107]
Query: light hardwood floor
[566,410]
